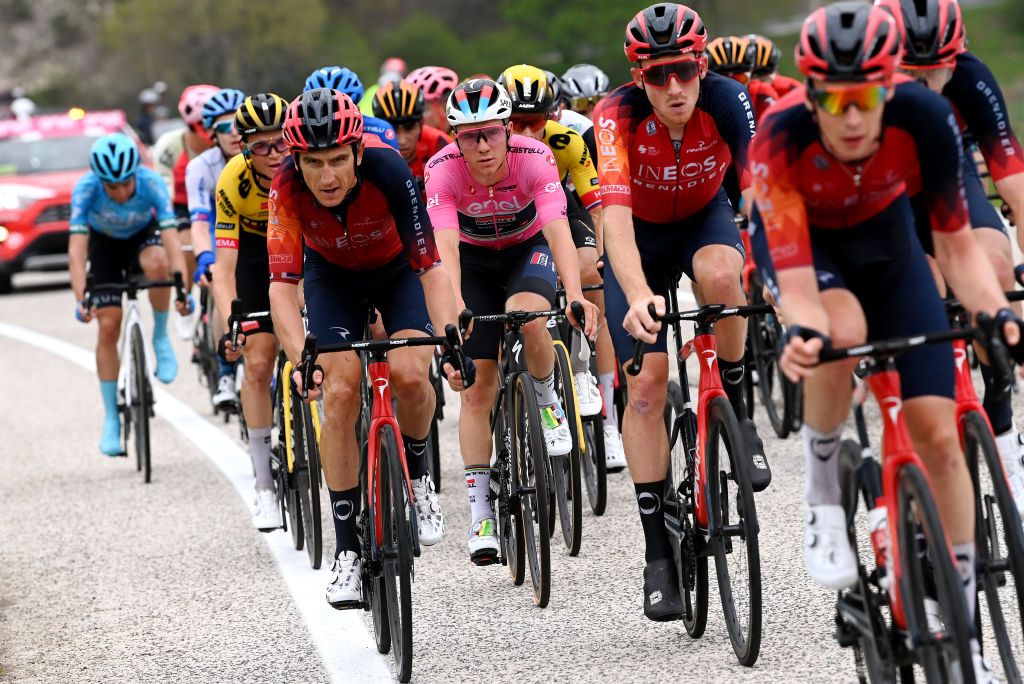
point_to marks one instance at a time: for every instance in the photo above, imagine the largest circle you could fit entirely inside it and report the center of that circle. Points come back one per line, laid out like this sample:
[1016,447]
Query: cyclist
[935,54]
[665,142]
[533,103]
[242,271]
[499,219]
[437,83]
[585,85]
[733,56]
[171,154]
[346,80]
[391,69]
[119,212]
[368,243]
[831,167]
[201,176]
[766,65]
[401,103]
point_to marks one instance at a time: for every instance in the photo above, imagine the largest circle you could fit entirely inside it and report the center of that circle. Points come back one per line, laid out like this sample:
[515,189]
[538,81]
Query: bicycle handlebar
[237,320]
[133,286]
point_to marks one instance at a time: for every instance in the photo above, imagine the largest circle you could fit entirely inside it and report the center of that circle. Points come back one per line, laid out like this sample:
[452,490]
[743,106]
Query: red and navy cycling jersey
[640,167]
[799,185]
[763,95]
[382,216]
[981,110]
[432,140]
[783,85]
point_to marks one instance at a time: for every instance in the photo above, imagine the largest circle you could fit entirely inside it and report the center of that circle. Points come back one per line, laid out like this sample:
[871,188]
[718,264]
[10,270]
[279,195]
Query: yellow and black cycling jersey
[573,161]
[241,206]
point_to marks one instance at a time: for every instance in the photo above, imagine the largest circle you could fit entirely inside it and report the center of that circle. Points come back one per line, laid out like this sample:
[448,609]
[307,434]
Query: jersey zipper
[494,215]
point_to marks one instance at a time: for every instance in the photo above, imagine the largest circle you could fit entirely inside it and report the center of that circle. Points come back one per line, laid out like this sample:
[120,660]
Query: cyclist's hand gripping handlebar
[637,363]
[307,366]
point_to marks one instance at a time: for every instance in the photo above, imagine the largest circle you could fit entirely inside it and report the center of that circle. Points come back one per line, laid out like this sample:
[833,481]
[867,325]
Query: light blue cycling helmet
[336,78]
[226,101]
[114,158]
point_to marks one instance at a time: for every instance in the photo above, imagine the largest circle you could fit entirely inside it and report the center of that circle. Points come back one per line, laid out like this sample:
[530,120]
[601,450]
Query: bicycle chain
[690,555]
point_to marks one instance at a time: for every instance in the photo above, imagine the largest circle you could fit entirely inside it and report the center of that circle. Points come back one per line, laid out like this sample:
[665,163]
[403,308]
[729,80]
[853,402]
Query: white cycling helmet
[476,101]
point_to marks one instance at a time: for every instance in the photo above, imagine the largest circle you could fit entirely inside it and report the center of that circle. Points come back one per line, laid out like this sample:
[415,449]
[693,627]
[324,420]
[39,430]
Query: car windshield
[41,155]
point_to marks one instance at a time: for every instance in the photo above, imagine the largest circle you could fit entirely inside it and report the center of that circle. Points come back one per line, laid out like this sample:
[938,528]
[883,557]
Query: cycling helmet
[336,78]
[190,106]
[558,95]
[766,55]
[730,55]
[321,119]
[258,113]
[476,101]
[585,80]
[529,89]
[226,101]
[114,158]
[394,65]
[933,30]
[664,29]
[399,102]
[849,41]
[436,82]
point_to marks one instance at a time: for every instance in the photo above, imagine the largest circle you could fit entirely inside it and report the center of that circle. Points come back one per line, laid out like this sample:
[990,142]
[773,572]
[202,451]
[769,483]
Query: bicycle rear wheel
[433,439]
[999,542]
[285,454]
[566,469]
[944,655]
[311,522]
[530,472]
[397,550]
[508,513]
[734,529]
[142,402]
[765,331]
[595,472]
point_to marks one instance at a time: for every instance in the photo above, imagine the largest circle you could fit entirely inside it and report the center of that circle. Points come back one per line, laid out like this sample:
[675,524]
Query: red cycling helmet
[435,82]
[190,105]
[321,119]
[664,29]
[933,30]
[849,41]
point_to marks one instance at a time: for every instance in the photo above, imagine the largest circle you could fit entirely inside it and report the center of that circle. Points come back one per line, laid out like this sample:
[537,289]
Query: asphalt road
[105,579]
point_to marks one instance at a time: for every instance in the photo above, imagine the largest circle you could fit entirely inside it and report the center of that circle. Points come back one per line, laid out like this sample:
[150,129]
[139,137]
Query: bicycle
[433,438]
[910,547]
[134,389]
[204,352]
[709,503]
[387,523]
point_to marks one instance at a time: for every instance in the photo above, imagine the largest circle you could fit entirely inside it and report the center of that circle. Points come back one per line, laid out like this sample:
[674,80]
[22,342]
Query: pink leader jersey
[502,215]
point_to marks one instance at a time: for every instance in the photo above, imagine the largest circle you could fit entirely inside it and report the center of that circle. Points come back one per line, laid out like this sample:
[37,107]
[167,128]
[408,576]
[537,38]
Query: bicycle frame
[132,319]
[286,408]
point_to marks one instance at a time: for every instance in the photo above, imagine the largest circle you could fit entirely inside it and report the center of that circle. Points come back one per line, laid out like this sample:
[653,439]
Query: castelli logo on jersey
[550,159]
[492,205]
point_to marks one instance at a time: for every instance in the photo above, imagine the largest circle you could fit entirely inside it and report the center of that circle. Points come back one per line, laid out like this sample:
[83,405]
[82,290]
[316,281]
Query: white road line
[347,649]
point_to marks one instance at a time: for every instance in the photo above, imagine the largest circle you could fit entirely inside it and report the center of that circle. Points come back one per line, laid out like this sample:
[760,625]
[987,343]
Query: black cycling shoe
[661,591]
[757,467]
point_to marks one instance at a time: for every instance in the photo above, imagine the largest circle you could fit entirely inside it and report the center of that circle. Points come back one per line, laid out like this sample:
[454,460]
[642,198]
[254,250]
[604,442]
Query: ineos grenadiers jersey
[380,218]
[799,185]
[640,167]
[981,110]
[501,215]
[91,206]
[201,177]
[432,140]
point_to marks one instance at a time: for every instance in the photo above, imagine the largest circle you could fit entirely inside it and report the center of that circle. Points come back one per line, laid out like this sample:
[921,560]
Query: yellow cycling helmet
[766,55]
[261,112]
[530,89]
[729,55]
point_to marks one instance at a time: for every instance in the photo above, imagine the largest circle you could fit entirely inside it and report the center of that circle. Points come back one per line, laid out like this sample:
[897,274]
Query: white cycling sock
[545,389]
[478,486]
[607,382]
[259,452]
[965,565]
[821,462]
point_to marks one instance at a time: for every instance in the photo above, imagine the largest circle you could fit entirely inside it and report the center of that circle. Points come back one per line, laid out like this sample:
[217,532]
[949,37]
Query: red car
[41,159]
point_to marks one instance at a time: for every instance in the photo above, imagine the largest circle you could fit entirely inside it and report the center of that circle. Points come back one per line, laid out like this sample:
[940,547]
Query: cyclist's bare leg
[339,452]
[190,258]
[717,270]
[540,354]
[643,425]
[474,418]
[154,264]
[827,392]
[411,384]
[107,361]
[259,352]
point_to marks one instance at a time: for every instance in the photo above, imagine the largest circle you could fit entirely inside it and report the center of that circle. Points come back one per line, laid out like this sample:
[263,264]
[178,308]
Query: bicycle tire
[397,551]
[507,512]
[918,519]
[311,522]
[995,515]
[374,594]
[695,597]
[595,465]
[291,496]
[566,482]
[748,376]
[142,402]
[765,331]
[530,472]
[722,423]
[433,437]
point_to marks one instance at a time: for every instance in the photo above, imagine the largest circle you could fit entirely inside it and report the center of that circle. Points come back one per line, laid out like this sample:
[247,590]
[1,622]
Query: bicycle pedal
[484,558]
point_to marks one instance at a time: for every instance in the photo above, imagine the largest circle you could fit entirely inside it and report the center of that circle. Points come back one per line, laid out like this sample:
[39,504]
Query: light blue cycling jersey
[92,208]
[201,176]
[382,129]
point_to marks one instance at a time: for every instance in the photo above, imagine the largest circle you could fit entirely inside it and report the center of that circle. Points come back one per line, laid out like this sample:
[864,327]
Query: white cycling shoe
[267,516]
[225,393]
[185,326]
[1012,455]
[827,553]
[557,437]
[982,670]
[345,590]
[428,511]
[588,395]
[483,542]
[614,453]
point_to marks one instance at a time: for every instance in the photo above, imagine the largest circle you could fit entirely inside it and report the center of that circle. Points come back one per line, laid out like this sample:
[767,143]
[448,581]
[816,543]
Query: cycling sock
[108,388]
[607,382]
[821,463]
[415,456]
[545,389]
[996,404]
[965,564]
[346,505]
[259,451]
[159,324]
[578,365]
[652,517]
[478,486]
[224,367]
[732,380]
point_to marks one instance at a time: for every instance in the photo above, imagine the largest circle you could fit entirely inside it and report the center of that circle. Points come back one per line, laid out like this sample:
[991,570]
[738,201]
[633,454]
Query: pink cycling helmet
[190,106]
[435,82]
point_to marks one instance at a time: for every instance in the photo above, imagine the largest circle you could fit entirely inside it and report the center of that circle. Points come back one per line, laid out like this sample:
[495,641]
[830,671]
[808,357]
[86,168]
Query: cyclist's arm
[287,318]
[228,233]
[734,116]
[167,221]
[444,219]
[1011,189]
[597,216]
[448,247]
[201,237]
[563,251]
[78,253]
[620,244]
[284,254]
[199,184]
[968,270]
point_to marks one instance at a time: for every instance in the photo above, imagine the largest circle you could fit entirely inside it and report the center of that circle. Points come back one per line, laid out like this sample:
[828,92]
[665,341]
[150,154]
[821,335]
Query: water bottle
[878,525]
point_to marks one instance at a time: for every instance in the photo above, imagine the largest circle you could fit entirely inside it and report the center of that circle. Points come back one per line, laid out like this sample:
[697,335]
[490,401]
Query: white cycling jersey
[201,176]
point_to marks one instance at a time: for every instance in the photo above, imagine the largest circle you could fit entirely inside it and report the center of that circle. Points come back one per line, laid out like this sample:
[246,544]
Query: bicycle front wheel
[142,402]
[530,470]
[566,469]
[595,467]
[396,552]
[308,419]
[765,331]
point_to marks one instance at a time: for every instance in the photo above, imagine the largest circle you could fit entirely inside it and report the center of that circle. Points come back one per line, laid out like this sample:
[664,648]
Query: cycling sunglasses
[224,127]
[262,148]
[531,122]
[492,135]
[583,103]
[836,101]
[658,75]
